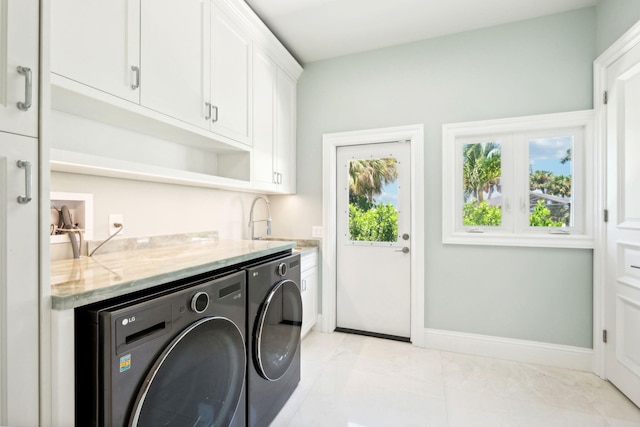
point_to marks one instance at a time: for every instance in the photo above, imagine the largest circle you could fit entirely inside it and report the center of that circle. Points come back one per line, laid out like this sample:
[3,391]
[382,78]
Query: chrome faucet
[252,222]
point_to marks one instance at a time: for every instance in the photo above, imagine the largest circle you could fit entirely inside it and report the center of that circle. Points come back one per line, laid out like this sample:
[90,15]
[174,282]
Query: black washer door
[198,379]
[277,334]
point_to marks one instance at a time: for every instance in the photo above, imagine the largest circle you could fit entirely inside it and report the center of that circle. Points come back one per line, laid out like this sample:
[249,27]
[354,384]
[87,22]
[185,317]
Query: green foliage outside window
[541,217]
[369,221]
[481,214]
[377,224]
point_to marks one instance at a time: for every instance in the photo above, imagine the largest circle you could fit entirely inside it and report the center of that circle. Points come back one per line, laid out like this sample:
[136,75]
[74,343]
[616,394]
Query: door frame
[330,143]
[618,49]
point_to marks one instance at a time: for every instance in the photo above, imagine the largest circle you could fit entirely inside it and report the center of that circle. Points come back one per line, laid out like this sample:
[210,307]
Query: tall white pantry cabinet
[19,259]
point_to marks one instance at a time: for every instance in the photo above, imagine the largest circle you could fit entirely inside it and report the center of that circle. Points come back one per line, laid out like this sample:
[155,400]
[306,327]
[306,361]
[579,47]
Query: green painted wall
[537,66]
[614,18]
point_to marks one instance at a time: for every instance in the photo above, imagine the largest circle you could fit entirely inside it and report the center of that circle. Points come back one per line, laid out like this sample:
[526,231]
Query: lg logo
[128,320]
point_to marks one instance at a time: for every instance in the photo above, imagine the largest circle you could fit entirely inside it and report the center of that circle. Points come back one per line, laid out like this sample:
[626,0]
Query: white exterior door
[622,300]
[373,277]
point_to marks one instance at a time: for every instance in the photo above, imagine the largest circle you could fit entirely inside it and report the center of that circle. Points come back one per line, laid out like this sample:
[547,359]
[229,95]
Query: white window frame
[514,134]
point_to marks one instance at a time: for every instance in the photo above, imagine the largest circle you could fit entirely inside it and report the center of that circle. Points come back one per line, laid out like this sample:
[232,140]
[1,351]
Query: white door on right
[373,277]
[623,228]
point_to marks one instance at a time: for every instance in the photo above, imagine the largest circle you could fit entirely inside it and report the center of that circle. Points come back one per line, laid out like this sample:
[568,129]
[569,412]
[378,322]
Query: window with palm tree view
[550,178]
[481,178]
[521,181]
[549,182]
[373,200]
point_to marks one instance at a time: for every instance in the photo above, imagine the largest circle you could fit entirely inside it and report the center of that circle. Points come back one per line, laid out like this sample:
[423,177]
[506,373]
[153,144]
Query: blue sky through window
[546,153]
[389,194]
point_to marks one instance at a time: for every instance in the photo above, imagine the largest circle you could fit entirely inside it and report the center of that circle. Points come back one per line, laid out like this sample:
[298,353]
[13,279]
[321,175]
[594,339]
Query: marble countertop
[77,282]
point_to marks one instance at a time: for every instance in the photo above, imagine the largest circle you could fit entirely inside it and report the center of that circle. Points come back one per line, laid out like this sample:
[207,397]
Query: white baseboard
[561,356]
[318,326]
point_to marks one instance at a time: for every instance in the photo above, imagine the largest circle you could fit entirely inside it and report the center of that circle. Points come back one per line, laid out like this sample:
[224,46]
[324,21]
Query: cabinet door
[97,43]
[264,78]
[309,285]
[19,48]
[18,283]
[285,150]
[230,79]
[174,44]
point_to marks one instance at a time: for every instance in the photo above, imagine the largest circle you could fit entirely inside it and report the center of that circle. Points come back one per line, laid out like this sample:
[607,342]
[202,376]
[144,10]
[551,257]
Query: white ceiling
[321,29]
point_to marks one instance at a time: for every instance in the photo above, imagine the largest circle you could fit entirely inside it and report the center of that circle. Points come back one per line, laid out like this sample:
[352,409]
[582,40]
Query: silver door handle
[26,72]
[404,250]
[27,181]
[215,110]
[136,70]
[208,105]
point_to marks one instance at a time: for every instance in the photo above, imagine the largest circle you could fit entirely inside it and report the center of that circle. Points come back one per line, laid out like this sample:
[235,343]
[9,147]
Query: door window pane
[373,200]
[482,184]
[550,181]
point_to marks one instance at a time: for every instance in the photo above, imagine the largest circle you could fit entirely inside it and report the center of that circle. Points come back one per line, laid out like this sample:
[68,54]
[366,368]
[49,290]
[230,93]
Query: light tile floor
[355,381]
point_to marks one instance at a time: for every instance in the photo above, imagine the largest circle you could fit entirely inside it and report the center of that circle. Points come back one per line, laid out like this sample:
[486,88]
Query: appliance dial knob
[282,268]
[200,302]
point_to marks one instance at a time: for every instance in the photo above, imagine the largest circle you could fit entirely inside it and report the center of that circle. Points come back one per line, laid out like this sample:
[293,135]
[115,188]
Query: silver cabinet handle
[404,250]
[215,110]
[275,177]
[27,181]
[26,72]
[208,105]
[136,70]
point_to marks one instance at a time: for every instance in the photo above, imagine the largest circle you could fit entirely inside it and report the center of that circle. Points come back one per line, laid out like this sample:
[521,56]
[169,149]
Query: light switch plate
[316,231]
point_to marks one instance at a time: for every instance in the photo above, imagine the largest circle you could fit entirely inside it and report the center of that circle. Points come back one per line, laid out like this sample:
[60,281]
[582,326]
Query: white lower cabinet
[309,288]
[19,294]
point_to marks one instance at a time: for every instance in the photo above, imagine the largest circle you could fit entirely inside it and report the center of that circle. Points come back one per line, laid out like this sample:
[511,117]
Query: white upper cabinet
[230,77]
[285,137]
[274,102]
[19,72]
[97,43]
[195,61]
[175,70]
[264,95]
[182,71]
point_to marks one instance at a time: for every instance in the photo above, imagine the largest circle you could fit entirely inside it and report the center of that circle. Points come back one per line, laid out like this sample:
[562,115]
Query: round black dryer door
[278,327]
[197,380]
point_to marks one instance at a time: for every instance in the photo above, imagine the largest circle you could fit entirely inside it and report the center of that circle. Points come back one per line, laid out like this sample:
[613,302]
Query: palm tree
[482,169]
[368,177]
[540,180]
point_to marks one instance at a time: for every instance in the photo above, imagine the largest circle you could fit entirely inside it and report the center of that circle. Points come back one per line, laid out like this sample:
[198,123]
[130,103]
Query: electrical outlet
[316,231]
[115,219]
